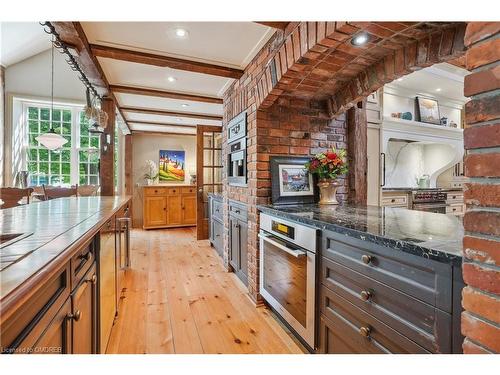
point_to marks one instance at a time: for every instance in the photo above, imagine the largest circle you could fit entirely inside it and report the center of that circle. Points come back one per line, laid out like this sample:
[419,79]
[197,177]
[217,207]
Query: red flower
[331,155]
[315,163]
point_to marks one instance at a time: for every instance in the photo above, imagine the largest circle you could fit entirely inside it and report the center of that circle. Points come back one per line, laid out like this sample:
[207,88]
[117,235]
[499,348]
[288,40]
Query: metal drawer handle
[365,332]
[295,253]
[365,295]
[92,280]
[367,259]
[393,200]
[76,316]
[86,256]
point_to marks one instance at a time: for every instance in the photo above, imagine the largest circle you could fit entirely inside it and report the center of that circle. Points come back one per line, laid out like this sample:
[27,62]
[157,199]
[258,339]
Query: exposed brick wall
[481,268]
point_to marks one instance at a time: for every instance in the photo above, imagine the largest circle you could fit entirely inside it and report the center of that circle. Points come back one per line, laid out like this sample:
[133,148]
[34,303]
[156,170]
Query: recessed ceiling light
[179,119]
[360,39]
[399,79]
[171,79]
[184,105]
[181,33]
[438,89]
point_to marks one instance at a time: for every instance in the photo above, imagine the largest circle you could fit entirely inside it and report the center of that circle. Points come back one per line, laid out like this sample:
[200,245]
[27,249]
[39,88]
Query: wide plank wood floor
[179,299]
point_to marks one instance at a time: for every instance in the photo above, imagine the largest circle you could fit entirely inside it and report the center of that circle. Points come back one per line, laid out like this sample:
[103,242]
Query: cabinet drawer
[424,324]
[421,278]
[394,200]
[455,197]
[217,230]
[238,210]
[155,191]
[217,209]
[457,209]
[81,262]
[346,329]
[188,190]
[173,190]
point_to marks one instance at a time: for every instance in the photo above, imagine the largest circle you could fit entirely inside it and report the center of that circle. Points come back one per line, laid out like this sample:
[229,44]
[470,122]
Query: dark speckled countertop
[434,236]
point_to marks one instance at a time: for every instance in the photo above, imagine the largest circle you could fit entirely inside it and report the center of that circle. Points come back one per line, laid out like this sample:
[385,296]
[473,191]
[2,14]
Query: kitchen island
[56,252]
[390,278]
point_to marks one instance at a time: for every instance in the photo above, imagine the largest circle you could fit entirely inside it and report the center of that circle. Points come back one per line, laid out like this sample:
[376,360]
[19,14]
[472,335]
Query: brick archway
[310,72]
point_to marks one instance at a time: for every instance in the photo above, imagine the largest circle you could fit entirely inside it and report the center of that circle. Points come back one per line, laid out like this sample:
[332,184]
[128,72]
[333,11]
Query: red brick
[482,165]
[487,279]
[482,195]
[482,81]
[483,54]
[482,136]
[279,150]
[482,250]
[477,31]
[299,150]
[470,347]
[481,304]
[480,331]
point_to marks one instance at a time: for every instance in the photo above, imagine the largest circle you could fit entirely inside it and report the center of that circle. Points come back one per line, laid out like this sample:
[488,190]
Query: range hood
[413,149]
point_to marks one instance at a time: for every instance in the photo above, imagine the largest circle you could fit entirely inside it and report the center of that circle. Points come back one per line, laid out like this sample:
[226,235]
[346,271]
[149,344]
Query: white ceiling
[231,44]
[21,40]
[155,77]
[131,100]
[131,117]
[446,77]
[162,129]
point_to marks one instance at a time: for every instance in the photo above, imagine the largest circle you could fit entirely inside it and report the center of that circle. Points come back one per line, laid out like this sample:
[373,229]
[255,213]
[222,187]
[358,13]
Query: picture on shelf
[427,110]
[172,166]
[294,180]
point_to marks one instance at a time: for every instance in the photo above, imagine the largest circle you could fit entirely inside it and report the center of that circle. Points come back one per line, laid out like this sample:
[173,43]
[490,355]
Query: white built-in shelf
[417,127]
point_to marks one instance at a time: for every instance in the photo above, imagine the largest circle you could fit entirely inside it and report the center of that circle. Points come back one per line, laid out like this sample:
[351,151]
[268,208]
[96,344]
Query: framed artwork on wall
[291,182]
[172,166]
[427,110]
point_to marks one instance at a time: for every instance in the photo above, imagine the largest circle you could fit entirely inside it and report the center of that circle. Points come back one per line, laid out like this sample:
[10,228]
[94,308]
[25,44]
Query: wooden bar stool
[53,192]
[87,190]
[12,196]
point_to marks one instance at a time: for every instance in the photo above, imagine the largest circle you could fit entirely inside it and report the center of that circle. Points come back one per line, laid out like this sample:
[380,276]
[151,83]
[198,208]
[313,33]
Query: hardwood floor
[179,299]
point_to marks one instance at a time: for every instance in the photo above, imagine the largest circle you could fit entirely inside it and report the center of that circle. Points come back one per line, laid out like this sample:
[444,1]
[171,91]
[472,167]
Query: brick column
[481,268]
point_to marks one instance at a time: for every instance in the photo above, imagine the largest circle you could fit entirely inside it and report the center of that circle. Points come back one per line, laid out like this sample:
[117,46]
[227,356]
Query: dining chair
[38,194]
[11,196]
[53,192]
[87,190]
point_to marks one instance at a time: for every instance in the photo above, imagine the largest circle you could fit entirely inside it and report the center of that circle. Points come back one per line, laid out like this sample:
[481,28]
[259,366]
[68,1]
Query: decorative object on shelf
[444,121]
[328,166]
[407,116]
[424,181]
[453,124]
[291,182]
[396,114]
[172,165]
[51,139]
[427,110]
[151,172]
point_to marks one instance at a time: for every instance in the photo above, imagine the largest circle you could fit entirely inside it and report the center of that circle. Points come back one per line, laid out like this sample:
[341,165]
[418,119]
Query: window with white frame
[77,162]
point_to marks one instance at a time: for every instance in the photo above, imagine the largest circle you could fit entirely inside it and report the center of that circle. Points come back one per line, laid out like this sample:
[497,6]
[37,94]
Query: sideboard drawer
[153,190]
[188,190]
[173,190]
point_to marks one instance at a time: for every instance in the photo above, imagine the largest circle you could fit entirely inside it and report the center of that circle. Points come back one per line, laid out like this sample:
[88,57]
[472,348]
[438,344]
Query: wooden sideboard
[169,206]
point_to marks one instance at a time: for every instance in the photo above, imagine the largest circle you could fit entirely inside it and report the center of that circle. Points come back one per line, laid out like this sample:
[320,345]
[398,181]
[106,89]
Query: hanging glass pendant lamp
[51,139]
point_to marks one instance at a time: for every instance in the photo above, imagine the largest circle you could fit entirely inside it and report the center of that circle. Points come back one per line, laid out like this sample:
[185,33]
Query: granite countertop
[53,229]
[434,236]
[408,189]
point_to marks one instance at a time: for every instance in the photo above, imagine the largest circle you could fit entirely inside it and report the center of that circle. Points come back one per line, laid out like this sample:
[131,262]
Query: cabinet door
[155,211]
[174,210]
[56,339]
[189,209]
[84,315]
[243,250]
[234,243]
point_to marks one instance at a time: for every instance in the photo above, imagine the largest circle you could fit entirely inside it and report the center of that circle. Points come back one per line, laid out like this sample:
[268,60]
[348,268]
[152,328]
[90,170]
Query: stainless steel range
[432,200]
[288,272]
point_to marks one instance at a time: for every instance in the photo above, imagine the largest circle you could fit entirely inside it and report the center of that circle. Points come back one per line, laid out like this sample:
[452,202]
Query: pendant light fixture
[51,140]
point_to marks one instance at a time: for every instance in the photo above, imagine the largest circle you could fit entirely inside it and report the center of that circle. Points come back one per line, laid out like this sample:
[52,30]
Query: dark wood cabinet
[375,299]
[238,240]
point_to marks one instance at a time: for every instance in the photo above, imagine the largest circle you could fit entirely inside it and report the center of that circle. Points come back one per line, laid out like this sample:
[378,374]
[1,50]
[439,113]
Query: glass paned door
[208,171]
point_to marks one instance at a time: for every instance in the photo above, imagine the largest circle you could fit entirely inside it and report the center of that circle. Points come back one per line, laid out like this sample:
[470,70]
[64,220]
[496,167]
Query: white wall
[147,147]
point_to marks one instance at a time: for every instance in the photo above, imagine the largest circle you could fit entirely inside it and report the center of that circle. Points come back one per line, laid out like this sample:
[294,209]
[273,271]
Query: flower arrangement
[151,170]
[328,165]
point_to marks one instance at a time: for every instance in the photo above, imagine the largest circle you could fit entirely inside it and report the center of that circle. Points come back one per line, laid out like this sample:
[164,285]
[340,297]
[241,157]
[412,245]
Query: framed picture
[291,182]
[172,166]
[427,110]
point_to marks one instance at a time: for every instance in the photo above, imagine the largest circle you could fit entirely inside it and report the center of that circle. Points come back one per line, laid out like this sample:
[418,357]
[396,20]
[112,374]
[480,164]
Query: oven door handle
[295,253]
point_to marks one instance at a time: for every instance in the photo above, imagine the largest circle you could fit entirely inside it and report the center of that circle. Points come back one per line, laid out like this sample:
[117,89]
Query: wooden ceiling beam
[274,25]
[161,112]
[164,94]
[72,34]
[161,124]
[165,61]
